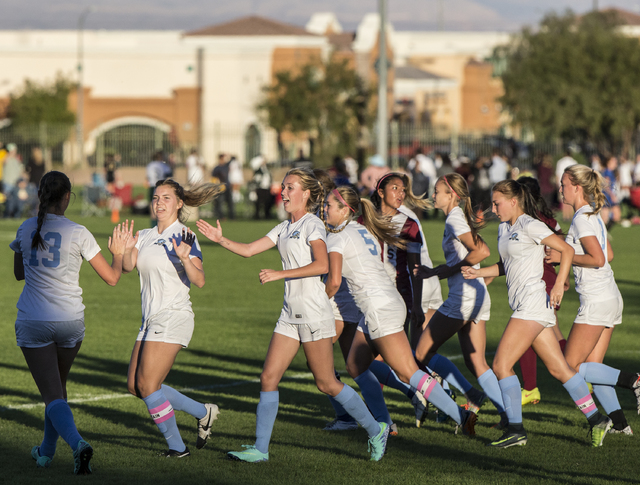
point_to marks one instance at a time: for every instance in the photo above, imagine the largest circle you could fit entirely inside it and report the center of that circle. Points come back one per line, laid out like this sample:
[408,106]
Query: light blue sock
[434,393]
[163,415]
[579,392]
[61,418]
[48,445]
[386,376]
[265,419]
[341,414]
[512,398]
[596,373]
[355,406]
[489,383]
[372,394]
[607,397]
[449,372]
[180,402]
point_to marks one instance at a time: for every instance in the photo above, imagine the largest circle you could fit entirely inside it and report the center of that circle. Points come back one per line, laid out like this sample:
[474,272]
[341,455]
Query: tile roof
[625,17]
[411,72]
[251,25]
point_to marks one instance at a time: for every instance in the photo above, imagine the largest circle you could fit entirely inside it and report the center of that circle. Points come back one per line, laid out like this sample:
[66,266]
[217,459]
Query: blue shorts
[35,334]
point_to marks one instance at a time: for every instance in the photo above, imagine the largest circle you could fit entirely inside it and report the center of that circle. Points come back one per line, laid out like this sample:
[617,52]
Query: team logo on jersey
[295,235]
[514,237]
[161,242]
[298,315]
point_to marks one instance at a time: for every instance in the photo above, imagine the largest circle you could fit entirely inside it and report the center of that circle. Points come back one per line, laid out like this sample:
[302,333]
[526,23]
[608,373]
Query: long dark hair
[54,186]
[534,188]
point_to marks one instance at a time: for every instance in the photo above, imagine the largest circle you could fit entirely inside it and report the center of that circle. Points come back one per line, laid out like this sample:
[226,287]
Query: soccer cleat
[599,431]
[41,461]
[175,454]
[475,400]
[204,424]
[530,397]
[636,391]
[378,444]
[626,431]
[250,454]
[421,407]
[81,458]
[468,426]
[393,429]
[510,438]
[341,425]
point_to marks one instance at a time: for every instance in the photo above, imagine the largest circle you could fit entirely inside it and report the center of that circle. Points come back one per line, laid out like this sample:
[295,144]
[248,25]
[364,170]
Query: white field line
[104,397]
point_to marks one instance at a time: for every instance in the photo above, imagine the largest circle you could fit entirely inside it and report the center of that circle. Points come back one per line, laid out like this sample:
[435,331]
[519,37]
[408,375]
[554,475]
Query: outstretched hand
[207,230]
[118,240]
[132,240]
[183,247]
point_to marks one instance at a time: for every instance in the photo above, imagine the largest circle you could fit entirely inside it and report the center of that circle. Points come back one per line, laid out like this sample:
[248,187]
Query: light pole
[382,83]
[79,113]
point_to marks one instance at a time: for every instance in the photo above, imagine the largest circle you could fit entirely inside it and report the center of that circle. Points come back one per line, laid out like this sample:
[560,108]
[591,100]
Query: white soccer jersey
[164,284]
[431,290]
[362,267]
[51,291]
[454,252]
[305,299]
[597,284]
[522,253]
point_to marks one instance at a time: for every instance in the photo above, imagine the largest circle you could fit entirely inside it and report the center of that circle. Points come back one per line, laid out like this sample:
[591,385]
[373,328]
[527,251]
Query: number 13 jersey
[52,292]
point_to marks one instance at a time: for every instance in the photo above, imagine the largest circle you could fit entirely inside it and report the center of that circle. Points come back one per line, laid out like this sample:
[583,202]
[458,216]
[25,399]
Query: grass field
[235,316]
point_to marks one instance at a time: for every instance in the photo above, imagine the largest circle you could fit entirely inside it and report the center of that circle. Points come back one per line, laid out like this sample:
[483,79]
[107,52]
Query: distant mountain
[502,15]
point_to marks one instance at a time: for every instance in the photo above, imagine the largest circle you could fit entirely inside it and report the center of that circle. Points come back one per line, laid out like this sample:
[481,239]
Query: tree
[326,101]
[39,112]
[575,77]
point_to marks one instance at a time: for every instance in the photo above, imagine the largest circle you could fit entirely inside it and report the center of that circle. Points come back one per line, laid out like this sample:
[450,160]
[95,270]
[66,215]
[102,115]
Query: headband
[450,188]
[339,197]
[384,177]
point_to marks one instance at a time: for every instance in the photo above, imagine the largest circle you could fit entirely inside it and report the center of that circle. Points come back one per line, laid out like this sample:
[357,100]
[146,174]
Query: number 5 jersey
[52,291]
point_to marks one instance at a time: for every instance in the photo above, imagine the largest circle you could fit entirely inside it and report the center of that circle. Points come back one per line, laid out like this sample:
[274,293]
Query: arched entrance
[252,143]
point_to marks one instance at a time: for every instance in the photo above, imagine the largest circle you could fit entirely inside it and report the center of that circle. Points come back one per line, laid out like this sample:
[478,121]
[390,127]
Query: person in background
[195,168]
[236,178]
[220,175]
[262,181]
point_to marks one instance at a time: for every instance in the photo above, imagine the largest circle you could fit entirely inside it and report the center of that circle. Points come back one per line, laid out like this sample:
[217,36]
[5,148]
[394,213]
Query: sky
[501,15]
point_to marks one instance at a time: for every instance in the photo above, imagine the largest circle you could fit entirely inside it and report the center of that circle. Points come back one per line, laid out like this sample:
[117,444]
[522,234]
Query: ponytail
[54,186]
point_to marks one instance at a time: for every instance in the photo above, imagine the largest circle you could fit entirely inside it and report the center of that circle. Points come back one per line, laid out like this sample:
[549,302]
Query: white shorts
[537,309]
[601,313]
[467,309]
[34,334]
[307,332]
[384,321]
[431,294]
[169,326]
[346,312]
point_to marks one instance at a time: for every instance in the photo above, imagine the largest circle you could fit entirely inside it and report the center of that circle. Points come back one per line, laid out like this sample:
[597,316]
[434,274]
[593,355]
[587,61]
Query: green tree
[574,77]
[39,111]
[326,101]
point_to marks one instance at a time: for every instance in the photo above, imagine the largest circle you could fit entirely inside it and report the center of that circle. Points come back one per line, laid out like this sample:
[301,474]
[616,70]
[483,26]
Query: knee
[327,386]
[501,371]
[354,369]
[268,382]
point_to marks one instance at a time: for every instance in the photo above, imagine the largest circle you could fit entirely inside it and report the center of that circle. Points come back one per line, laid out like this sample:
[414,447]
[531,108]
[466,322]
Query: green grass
[235,316]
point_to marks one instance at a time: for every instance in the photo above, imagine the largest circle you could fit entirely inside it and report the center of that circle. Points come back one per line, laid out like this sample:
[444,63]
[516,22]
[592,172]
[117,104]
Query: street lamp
[80,114]
[383,121]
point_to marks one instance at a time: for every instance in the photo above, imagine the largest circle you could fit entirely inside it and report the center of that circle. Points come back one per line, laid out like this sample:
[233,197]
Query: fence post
[395,145]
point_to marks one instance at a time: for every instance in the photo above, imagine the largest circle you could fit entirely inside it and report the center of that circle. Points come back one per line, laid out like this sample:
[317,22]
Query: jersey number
[54,241]
[368,241]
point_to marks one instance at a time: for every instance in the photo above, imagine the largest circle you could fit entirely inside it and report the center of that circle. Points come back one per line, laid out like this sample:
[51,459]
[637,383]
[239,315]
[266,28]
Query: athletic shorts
[307,332]
[431,294]
[537,309]
[35,334]
[169,326]
[601,313]
[468,309]
[345,312]
[384,321]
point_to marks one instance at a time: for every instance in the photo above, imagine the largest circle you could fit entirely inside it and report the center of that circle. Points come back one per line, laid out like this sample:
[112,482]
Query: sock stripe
[586,404]
[161,413]
[426,385]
